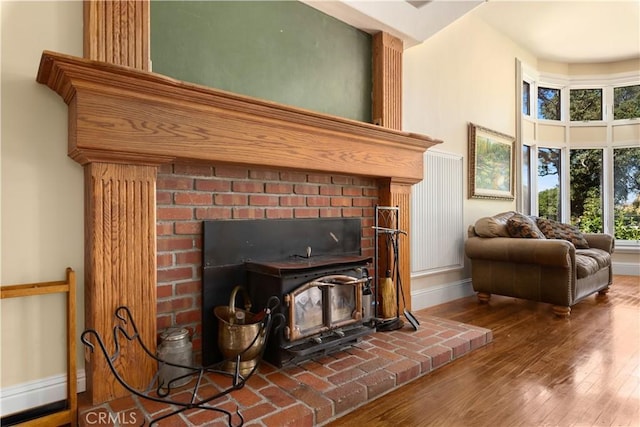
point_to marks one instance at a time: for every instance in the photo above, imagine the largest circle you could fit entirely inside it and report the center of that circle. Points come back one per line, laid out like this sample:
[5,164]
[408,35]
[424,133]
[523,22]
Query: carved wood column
[120,258]
[387,112]
[120,205]
[118,32]
[387,81]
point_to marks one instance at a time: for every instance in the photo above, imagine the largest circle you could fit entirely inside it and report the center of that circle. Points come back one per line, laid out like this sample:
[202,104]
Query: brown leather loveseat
[537,259]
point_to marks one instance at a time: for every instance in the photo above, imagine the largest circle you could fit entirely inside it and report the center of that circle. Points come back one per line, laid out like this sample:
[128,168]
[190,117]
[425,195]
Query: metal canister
[175,347]
[367,307]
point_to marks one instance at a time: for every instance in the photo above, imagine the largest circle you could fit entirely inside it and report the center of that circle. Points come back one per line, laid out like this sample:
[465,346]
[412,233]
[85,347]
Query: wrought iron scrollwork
[158,391]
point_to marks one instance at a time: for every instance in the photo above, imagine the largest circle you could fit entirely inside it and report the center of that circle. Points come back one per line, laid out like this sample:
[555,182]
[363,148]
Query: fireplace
[126,124]
[314,266]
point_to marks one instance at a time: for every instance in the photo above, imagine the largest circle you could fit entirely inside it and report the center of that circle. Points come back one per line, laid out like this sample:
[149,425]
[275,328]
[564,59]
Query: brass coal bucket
[240,332]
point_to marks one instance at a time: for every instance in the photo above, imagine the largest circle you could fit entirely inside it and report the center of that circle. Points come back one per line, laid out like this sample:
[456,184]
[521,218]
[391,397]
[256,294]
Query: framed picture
[491,164]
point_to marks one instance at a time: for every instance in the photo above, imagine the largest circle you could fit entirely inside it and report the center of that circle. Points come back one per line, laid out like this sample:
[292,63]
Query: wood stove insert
[322,304]
[315,267]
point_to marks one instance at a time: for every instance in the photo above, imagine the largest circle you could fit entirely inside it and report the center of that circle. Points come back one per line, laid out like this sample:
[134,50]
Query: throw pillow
[522,226]
[557,230]
[493,226]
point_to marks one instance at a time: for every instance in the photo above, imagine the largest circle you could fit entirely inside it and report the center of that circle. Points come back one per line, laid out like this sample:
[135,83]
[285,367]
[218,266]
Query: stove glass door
[323,304]
[309,313]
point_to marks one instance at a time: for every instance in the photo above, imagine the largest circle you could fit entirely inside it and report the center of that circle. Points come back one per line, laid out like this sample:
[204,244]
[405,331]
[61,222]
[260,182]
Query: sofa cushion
[522,226]
[557,230]
[493,226]
[602,258]
[589,261]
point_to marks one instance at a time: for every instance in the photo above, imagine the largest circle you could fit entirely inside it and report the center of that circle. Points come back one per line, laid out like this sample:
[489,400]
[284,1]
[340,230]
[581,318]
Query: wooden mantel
[123,115]
[125,122]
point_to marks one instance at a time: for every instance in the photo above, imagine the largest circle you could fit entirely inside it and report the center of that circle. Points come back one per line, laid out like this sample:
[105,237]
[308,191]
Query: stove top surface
[297,264]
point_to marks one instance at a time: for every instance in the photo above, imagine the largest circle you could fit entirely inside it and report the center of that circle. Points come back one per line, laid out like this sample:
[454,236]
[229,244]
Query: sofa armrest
[602,241]
[556,253]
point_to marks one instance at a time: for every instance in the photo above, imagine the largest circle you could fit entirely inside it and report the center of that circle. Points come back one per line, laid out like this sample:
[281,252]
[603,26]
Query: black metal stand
[160,392]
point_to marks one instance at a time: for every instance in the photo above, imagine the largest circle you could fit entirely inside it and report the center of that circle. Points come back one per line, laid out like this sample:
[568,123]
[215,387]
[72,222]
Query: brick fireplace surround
[188,194]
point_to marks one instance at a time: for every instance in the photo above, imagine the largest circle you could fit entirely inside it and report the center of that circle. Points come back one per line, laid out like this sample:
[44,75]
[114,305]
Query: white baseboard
[626,268]
[20,397]
[441,294]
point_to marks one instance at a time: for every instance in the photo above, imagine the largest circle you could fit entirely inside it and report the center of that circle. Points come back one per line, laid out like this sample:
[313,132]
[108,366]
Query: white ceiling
[570,31]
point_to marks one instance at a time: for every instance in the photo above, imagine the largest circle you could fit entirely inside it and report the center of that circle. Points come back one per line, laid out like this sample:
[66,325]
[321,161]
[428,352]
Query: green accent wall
[283,51]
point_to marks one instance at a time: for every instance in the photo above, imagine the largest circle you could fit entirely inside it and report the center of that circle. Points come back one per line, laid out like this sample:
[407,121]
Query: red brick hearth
[317,391]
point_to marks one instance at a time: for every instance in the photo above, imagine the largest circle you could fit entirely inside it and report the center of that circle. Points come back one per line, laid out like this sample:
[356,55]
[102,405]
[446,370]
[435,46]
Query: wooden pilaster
[117,32]
[387,80]
[120,257]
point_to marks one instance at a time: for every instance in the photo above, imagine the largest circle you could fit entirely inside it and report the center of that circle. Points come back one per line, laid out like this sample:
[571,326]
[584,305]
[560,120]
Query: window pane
[626,102]
[626,178]
[526,106]
[549,183]
[526,179]
[586,190]
[585,104]
[548,103]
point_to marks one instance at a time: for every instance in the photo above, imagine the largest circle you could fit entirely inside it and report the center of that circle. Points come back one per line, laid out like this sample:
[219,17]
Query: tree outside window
[548,103]
[585,189]
[626,176]
[585,104]
[626,102]
[549,183]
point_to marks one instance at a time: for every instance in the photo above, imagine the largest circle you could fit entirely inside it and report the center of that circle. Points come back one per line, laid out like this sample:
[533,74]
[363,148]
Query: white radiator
[437,228]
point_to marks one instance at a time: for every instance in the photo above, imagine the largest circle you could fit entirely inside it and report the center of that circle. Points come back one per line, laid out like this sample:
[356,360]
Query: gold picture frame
[491,164]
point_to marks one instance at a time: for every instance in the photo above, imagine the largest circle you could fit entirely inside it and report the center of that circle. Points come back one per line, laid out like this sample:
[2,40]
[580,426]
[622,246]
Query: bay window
[584,136]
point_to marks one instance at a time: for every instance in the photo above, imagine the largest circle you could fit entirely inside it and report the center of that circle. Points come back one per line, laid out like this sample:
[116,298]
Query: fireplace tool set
[239,366]
[387,225]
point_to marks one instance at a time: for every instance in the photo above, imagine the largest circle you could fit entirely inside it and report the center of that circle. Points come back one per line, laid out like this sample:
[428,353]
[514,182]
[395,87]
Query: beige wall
[465,73]
[41,190]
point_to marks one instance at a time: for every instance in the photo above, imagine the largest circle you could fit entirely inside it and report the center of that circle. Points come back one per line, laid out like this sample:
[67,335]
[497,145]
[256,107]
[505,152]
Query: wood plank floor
[539,370]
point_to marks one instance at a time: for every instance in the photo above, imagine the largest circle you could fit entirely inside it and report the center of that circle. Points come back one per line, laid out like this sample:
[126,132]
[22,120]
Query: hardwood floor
[539,370]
